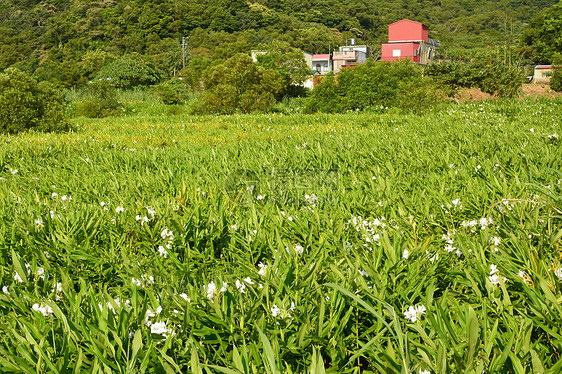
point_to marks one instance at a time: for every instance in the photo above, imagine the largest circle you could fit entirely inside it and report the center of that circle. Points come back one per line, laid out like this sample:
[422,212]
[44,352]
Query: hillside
[56,38]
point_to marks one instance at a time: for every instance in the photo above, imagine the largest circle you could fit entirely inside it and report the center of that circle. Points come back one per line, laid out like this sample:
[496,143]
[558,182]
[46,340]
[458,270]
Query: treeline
[69,42]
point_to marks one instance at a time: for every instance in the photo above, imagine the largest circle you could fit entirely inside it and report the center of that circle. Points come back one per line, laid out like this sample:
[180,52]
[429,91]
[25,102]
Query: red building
[409,40]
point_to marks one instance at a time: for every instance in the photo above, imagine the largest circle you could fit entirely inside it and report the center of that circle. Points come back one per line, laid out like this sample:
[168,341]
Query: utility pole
[183,49]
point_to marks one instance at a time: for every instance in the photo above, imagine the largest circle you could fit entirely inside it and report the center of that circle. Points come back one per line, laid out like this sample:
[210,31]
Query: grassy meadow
[157,242]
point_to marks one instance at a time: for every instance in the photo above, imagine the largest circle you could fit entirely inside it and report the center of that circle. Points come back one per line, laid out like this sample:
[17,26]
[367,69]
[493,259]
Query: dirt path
[528,91]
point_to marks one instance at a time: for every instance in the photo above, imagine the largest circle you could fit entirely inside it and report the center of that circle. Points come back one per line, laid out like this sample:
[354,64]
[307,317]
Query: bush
[239,84]
[26,104]
[373,84]
[556,80]
[488,72]
[325,97]
[172,92]
[101,102]
[127,73]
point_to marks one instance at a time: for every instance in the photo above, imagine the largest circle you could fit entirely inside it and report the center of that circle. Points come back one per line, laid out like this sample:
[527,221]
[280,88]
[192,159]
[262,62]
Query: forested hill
[68,40]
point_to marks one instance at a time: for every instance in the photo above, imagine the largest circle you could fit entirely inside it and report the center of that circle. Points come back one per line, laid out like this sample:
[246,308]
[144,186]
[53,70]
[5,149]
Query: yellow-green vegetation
[357,242]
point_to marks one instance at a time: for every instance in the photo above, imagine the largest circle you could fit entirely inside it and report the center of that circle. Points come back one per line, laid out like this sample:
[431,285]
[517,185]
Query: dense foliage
[489,72]
[316,243]
[543,36]
[373,85]
[239,84]
[28,105]
[59,39]
[100,100]
[129,73]
[556,80]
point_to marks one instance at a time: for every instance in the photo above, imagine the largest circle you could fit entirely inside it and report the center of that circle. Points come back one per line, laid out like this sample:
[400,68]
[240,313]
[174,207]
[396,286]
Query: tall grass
[362,242]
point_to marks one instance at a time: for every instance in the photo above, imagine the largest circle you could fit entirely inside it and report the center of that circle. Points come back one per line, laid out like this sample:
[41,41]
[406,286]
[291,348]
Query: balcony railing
[347,55]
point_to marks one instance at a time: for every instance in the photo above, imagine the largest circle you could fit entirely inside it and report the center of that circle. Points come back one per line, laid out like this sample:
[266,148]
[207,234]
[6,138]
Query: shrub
[101,102]
[373,84]
[488,72]
[556,80]
[171,92]
[127,73]
[239,84]
[325,97]
[26,104]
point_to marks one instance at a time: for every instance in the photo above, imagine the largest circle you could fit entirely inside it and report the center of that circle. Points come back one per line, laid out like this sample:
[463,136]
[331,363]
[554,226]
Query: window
[396,53]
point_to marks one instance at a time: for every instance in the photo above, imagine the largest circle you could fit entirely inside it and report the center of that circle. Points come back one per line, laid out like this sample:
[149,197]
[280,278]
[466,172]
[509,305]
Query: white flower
[263,269]
[151,212]
[142,219]
[494,240]
[39,223]
[223,288]
[282,313]
[558,273]
[275,310]
[240,286]
[211,289]
[162,251]
[414,312]
[150,314]
[5,290]
[185,297]
[494,279]
[40,272]
[425,371]
[160,328]
[43,308]
[119,209]
[167,234]
[248,280]
[18,278]
[405,254]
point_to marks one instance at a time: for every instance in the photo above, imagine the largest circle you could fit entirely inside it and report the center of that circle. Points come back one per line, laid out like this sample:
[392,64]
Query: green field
[361,242]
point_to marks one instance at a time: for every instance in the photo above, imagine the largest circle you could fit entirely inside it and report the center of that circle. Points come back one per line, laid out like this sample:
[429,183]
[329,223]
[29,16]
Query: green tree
[288,61]
[127,73]
[239,84]
[193,72]
[26,104]
[544,34]
[374,84]
[556,80]
[326,96]
[93,61]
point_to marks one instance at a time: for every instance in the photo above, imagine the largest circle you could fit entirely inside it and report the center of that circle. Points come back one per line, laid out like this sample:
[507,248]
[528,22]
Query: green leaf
[271,366]
[473,335]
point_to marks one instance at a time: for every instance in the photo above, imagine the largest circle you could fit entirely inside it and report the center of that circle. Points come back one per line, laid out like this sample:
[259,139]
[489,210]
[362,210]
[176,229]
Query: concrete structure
[543,73]
[409,40]
[350,55]
[322,63]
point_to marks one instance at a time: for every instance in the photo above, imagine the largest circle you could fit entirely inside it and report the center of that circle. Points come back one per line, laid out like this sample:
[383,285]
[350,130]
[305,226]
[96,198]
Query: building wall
[407,30]
[542,75]
[400,51]
[325,66]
